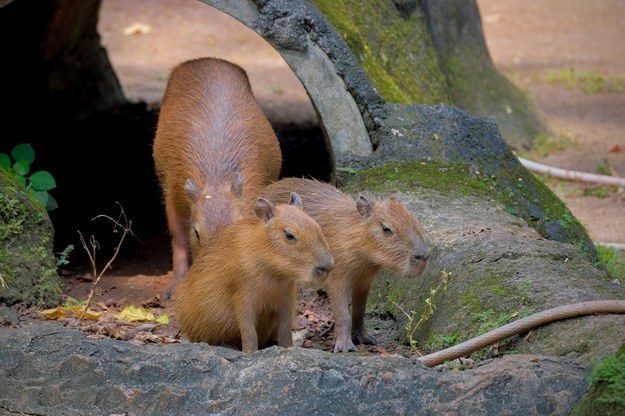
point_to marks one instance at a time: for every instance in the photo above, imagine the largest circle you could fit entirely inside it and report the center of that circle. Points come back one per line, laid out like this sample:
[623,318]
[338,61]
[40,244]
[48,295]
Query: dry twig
[126,228]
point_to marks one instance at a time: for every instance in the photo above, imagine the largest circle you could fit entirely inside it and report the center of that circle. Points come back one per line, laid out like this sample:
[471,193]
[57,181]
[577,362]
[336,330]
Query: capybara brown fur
[365,235]
[214,150]
[241,288]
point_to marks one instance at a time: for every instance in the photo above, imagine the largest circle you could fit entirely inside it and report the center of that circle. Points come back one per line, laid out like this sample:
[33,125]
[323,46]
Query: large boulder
[84,376]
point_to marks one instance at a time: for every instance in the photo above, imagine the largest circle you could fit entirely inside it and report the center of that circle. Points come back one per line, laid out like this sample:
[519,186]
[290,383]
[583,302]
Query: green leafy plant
[63,258]
[38,182]
[412,326]
[445,341]
[489,320]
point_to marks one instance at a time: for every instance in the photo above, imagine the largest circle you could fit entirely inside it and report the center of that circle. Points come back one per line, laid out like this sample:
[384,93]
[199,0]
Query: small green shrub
[545,144]
[598,192]
[38,182]
[588,81]
[603,168]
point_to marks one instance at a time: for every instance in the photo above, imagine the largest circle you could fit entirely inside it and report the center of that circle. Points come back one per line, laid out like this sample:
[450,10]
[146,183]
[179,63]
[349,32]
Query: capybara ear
[364,206]
[237,185]
[264,209]
[295,199]
[192,191]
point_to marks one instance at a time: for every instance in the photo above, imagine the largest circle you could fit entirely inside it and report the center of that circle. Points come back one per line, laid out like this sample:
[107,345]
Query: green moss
[606,395]
[399,176]
[394,50]
[27,263]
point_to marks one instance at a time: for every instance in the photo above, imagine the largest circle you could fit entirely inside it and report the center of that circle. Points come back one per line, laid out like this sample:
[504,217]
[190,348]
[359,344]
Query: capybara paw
[364,339]
[345,346]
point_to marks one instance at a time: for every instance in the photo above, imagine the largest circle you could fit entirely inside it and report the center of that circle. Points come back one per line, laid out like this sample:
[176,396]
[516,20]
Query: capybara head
[296,244]
[212,207]
[395,237]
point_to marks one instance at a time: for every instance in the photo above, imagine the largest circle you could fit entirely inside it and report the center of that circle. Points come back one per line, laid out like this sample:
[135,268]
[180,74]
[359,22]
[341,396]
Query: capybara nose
[324,269]
[419,257]
[420,254]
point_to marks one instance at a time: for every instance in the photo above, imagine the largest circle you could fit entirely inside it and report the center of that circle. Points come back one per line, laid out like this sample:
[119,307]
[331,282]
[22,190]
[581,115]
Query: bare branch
[125,229]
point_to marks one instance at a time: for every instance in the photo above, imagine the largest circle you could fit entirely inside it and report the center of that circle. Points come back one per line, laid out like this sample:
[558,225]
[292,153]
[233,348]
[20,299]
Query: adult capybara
[240,289]
[365,235]
[214,150]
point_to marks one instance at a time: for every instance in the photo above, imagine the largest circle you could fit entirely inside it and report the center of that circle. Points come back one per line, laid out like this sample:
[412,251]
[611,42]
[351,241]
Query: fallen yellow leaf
[134,314]
[61,312]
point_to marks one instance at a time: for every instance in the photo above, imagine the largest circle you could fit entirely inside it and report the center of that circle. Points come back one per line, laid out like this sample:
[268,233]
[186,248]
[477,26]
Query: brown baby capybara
[365,235]
[240,290]
[214,150]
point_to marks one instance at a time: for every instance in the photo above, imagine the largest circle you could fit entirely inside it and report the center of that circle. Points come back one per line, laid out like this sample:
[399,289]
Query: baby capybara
[240,290]
[214,150]
[365,235]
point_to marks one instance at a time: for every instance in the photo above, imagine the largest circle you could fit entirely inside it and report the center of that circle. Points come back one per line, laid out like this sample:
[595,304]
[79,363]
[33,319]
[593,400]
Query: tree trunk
[55,69]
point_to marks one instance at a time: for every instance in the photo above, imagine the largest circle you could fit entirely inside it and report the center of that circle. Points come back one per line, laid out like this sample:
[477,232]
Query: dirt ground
[146,38]
[527,40]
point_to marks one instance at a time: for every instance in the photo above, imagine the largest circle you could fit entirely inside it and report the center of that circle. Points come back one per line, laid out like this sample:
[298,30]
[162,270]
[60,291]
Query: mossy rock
[27,262]
[393,48]
[433,52]
[606,395]
[449,149]
[497,267]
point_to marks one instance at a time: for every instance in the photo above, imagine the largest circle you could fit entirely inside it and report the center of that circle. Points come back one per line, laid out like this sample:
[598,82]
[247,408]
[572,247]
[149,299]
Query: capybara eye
[386,229]
[197,233]
[289,236]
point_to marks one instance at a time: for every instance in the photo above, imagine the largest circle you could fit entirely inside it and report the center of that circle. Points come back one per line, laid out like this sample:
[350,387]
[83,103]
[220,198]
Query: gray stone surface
[336,84]
[49,370]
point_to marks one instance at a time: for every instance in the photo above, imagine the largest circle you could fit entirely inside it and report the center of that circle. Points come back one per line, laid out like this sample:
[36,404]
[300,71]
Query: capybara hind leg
[359,305]
[179,248]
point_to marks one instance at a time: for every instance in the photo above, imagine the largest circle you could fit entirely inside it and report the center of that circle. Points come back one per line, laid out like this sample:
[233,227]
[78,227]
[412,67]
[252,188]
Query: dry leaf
[61,312]
[617,148]
[134,314]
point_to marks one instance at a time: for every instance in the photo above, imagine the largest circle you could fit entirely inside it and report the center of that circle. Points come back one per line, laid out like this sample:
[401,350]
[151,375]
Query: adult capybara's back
[214,151]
